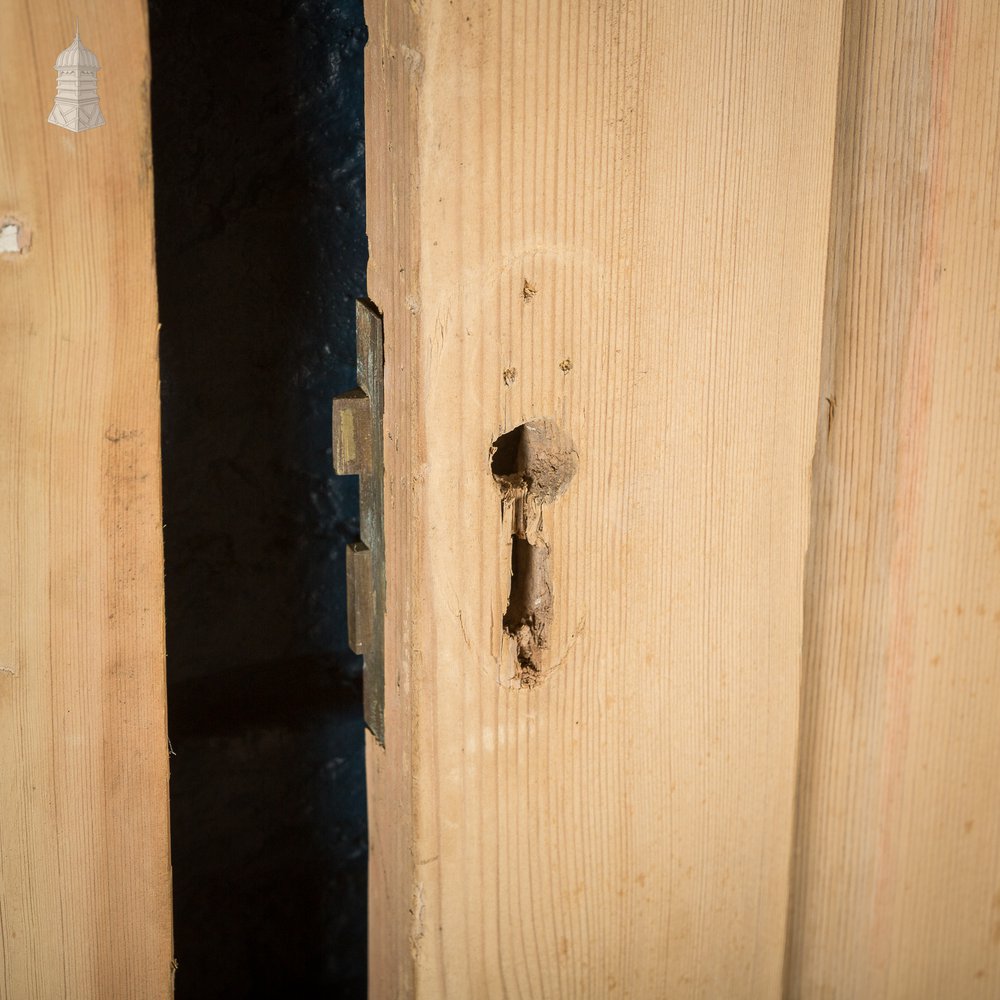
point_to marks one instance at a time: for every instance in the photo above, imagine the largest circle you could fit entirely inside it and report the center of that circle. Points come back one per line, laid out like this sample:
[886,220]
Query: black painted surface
[258,167]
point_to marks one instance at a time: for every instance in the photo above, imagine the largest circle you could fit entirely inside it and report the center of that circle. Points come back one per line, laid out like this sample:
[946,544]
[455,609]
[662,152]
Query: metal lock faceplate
[357,451]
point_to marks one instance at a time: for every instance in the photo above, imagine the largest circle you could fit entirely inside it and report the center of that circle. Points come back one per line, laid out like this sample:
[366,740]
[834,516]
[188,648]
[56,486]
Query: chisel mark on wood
[15,237]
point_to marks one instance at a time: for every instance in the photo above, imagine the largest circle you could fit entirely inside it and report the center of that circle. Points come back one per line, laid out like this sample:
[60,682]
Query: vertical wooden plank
[84,865]
[897,877]
[612,217]
[395,906]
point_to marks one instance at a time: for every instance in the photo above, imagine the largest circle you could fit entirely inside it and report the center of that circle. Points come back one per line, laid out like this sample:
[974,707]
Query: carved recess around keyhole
[532,466]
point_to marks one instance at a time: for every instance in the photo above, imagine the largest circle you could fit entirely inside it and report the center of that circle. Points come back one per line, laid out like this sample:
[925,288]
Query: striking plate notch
[357,451]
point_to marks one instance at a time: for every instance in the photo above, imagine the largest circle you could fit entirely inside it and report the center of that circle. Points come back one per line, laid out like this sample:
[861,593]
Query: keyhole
[532,466]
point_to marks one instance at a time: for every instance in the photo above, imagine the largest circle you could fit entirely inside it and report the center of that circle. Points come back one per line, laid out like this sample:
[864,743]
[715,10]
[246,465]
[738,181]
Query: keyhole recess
[532,466]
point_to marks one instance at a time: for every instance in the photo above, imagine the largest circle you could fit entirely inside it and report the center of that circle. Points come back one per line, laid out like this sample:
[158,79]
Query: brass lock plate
[357,451]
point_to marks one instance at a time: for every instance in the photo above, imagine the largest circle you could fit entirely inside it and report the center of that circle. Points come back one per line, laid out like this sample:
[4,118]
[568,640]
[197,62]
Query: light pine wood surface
[613,216]
[896,877]
[738,266]
[84,864]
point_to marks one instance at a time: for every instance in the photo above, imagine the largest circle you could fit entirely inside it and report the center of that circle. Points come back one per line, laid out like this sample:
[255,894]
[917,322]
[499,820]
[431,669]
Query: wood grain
[897,873]
[84,864]
[613,216]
